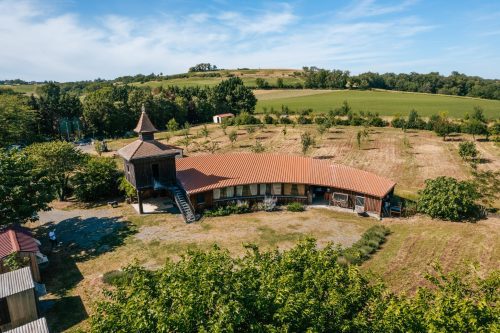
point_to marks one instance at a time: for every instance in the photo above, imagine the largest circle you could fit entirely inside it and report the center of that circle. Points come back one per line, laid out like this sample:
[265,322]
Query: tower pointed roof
[145,125]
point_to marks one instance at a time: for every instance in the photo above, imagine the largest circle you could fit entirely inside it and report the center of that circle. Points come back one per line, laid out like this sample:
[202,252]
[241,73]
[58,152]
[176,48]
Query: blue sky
[67,40]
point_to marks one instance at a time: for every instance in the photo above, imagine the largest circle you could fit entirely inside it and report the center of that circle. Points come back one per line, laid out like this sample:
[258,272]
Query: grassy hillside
[387,103]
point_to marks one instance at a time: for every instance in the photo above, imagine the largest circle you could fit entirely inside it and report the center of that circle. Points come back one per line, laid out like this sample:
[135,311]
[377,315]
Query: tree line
[113,111]
[434,83]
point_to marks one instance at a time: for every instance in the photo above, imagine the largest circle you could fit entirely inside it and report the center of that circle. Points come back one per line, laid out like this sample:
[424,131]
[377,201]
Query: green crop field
[386,103]
[212,81]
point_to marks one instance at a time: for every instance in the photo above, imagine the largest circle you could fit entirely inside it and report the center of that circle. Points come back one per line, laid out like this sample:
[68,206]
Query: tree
[475,127]
[212,146]
[185,129]
[17,120]
[307,141]
[467,150]
[172,125]
[204,131]
[322,129]
[448,199]
[96,179]
[303,289]
[100,147]
[58,159]
[233,136]
[258,148]
[23,189]
[261,83]
[361,136]
[443,127]
[231,96]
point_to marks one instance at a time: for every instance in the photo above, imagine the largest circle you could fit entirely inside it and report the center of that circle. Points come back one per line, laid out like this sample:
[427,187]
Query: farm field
[386,103]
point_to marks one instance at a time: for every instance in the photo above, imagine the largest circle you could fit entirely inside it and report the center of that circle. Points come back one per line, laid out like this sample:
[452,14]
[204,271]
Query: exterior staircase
[184,205]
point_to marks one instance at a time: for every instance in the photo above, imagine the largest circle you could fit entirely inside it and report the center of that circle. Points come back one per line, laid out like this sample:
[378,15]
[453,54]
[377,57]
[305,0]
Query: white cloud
[367,8]
[38,44]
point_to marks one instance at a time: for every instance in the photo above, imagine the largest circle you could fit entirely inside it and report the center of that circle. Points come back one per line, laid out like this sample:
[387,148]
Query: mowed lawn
[386,103]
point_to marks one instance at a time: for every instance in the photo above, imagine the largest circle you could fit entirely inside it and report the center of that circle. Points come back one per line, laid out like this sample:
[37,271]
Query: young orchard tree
[204,131]
[211,146]
[58,159]
[322,129]
[233,136]
[475,127]
[361,136]
[172,125]
[185,129]
[307,141]
[468,151]
[258,148]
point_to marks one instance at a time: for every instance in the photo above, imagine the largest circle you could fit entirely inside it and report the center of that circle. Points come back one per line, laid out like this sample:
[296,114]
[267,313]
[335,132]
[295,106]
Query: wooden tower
[149,165]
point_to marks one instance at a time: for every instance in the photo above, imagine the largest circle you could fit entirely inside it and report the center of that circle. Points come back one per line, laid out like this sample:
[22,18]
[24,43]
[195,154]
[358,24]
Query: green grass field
[386,103]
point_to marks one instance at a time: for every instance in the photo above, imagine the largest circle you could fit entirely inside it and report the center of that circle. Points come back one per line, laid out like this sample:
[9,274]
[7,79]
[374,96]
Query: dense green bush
[236,208]
[97,179]
[304,289]
[295,207]
[370,242]
[127,189]
[116,278]
[449,199]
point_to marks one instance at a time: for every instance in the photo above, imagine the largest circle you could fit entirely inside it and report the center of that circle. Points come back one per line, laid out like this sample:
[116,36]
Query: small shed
[36,326]
[19,240]
[219,118]
[18,301]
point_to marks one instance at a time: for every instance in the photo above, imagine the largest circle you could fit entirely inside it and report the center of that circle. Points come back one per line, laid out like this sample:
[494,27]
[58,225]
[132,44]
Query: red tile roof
[207,172]
[16,239]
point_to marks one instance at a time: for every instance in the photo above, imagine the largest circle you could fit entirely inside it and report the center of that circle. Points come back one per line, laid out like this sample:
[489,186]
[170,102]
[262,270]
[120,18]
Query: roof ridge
[13,240]
[136,149]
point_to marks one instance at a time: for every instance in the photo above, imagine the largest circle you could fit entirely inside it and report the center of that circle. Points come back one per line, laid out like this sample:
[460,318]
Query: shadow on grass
[71,306]
[79,240]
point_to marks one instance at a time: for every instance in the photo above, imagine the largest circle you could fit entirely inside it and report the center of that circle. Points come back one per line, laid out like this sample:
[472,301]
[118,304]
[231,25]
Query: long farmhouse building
[200,182]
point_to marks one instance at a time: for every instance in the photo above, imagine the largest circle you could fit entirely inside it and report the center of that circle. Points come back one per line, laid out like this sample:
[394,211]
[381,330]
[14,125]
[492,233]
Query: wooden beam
[139,199]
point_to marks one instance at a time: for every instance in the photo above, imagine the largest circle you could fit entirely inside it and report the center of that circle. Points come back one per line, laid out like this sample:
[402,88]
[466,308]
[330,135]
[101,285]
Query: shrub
[96,179]
[295,207]
[467,150]
[127,188]
[241,207]
[449,199]
[116,278]
[268,119]
[368,244]
[398,122]
[307,141]
[246,118]
[286,121]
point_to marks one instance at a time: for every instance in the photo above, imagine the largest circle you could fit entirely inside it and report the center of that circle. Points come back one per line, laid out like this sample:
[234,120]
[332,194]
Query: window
[360,201]
[287,189]
[246,190]
[254,189]
[262,189]
[239,191]
[217,194]
[200,198]
[295,189]
[229,192]
[268,189]
[4,312]
[340,197]
[128,169]
[276,189]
